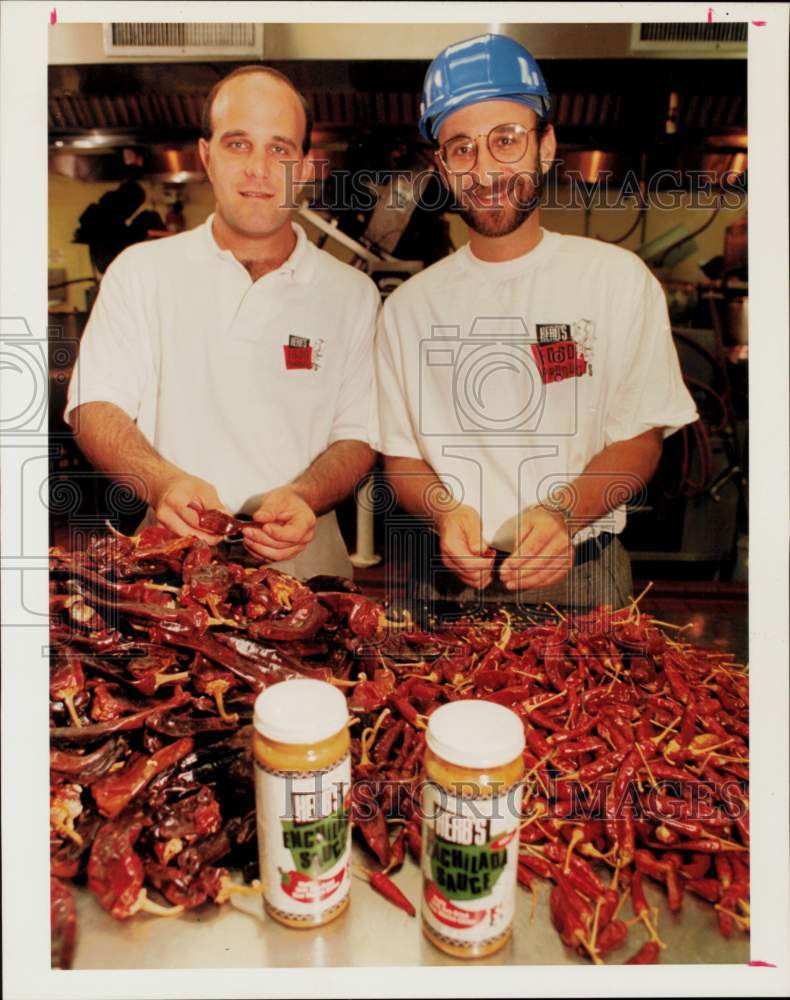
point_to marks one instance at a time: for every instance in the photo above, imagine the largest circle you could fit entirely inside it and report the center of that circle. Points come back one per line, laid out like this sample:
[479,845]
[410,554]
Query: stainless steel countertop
[372,932]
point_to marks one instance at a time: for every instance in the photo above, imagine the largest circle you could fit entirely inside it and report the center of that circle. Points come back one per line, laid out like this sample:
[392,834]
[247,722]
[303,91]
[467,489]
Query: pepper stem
[144,904]
[576,836]
[219,699]
[162,678]
[230,888]
[368,737]
[69,700]
[507,631]
[651,930]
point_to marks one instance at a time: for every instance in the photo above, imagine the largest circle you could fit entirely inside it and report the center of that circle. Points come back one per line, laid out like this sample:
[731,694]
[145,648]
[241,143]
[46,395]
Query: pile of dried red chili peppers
[637,742]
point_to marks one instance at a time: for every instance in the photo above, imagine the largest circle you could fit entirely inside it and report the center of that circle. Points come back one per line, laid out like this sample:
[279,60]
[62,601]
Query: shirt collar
[298,267]
[501,270]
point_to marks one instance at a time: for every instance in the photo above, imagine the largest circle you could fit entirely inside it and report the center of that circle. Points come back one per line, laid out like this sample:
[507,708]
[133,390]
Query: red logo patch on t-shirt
[558,361]
[298,353]
[556,354]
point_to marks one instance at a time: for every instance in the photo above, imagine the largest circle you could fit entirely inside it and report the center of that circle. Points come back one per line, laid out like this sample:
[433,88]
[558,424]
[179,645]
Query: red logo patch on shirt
[558,361]
[298,354]
[557,354]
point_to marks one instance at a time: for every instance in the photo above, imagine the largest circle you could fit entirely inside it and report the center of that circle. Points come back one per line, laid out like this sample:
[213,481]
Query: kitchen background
[639,101]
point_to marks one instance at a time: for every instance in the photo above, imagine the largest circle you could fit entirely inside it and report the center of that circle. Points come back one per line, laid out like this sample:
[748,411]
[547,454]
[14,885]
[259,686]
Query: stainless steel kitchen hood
[614,87]
[74,44]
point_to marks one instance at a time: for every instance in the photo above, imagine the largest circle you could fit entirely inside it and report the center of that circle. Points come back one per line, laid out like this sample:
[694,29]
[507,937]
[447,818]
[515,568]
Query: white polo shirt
[508,377]
[241,383]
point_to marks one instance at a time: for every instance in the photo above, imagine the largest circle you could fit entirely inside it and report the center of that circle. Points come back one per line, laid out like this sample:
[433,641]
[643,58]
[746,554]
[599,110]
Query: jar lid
[301,710]
[475,734]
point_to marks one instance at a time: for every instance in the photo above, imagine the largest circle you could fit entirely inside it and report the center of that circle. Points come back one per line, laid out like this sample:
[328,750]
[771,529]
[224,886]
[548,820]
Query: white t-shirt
[507,378]
[241,383]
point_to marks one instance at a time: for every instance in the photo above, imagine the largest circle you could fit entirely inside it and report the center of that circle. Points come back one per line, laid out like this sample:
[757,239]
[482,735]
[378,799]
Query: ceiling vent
[182,40]
[692,39]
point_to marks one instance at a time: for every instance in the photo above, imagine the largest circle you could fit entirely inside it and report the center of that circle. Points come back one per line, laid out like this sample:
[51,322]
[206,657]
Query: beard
[522,197]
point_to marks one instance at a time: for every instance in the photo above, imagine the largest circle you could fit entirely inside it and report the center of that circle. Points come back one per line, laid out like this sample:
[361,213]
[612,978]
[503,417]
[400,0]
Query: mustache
[509,188]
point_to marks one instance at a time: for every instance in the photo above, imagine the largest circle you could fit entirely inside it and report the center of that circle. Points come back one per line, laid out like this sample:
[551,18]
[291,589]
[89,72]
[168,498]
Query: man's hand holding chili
[284,525]
[463,549]
[543,554]
[172,495]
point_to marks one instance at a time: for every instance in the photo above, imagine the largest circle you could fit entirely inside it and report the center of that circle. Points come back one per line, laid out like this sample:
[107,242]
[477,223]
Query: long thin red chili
[383,884]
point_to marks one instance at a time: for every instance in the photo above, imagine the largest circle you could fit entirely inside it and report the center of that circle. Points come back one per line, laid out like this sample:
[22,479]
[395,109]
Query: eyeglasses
[506,143]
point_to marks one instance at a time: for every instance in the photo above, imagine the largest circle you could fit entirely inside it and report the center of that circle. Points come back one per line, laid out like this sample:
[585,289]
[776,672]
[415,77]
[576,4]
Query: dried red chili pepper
[384,885]
[87,768]
[86,734]
[114,792]
[217,522]
[647,954]
[212,681]
[397,850]
[414,840]
[706,888]
[66,682]
[367,817]
[115,871]
[383,748]
[677,684]
[524,876]
[723,870]
[612,937]
[364,617]
[304,621]
[414,757]
[63,924]
[405,710]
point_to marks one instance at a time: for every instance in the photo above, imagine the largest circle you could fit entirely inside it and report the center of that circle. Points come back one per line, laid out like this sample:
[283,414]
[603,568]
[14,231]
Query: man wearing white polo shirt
[230,366]
[527,381]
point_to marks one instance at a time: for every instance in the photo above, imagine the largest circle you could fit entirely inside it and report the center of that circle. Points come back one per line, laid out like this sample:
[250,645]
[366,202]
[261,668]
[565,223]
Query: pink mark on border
[759,24]
[710,15]
[762,965]
[53,16]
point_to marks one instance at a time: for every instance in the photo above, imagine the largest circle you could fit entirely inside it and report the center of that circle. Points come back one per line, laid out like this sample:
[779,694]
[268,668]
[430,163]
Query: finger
[180,505]
[465,560]
[208,497]
[547,559]
[262,536]
[551,571]
[265,514]
[472,534]
[539,539]
[294,530]
[530,578]
[474,571]
[172,519]
[478,581]
[179,502]
[456,544]
[529,583]
[176,515]
[269,554]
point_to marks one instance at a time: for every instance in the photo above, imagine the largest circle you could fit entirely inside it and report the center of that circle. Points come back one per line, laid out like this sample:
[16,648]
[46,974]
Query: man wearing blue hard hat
[527,381]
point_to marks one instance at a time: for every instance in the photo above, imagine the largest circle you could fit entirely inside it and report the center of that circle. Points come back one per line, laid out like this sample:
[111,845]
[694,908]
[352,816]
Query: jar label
[304,839]
[469,864]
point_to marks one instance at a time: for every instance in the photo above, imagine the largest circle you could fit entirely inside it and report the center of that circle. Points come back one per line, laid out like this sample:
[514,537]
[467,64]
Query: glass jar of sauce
[471,812]
[303,796]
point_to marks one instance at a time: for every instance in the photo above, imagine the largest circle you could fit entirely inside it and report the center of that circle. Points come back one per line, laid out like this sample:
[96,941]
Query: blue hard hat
[480,69]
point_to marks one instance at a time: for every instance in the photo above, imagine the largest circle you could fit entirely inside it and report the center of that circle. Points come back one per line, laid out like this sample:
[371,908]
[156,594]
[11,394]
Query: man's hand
[171,504]
[285,524]
[544,553]
[462,546]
